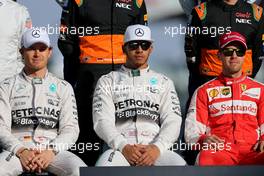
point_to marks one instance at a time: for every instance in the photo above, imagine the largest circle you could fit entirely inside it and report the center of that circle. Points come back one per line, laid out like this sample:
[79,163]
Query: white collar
[2,3]
[135,72]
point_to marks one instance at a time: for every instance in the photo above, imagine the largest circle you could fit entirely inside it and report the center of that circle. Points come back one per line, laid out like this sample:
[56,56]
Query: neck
[134,67]
[36,74]
[230,2]
[232,75]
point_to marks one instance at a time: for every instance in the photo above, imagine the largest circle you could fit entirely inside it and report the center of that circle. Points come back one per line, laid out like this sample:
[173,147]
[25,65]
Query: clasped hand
[141,155]
[36,160]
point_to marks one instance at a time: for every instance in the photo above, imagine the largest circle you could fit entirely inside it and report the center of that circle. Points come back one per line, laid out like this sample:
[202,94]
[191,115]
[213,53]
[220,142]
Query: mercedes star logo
[139,32]
[35,33]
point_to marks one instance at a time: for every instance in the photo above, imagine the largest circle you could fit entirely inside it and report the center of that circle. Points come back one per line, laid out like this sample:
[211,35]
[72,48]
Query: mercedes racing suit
[40,114]
[94,51]
[14,20]
[233,110]
[137,107]
[209,21]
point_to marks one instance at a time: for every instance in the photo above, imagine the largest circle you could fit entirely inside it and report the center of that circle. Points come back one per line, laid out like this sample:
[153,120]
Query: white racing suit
[136,107]
[14,20]
[40,114]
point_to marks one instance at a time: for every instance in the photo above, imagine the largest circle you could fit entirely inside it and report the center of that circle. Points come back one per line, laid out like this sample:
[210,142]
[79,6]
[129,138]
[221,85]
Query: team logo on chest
[52,87]
[153,81]
[20,88]
[124,4]
[243,87]
[219,92]
[226,91]
[252,93]
[213,93]
[243,18]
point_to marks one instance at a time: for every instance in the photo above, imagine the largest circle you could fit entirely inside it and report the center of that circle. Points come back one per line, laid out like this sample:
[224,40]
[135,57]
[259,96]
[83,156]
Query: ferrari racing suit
[233,110]
[15,20]
[136,107]
[38,114]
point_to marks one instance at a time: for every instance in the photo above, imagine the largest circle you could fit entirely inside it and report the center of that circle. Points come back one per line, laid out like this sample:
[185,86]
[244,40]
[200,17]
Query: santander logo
[213,110]
[233,107]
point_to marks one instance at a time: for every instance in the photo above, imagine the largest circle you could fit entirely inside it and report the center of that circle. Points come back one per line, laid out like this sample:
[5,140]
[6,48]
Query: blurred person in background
[15,19]
[188,5]
[38,117]
[94,50]
[136,111]
[258,2]
[261,3]
[226,114]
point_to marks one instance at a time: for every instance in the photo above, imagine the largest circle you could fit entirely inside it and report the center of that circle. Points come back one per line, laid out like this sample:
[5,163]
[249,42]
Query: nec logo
[243,21]
[123,5]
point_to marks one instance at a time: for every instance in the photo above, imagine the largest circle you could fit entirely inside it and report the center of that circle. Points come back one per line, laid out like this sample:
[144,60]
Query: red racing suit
[233,110]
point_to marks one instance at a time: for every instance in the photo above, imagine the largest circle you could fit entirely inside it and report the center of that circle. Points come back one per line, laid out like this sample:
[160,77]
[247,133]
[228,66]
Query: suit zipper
[34,110]
[135,117]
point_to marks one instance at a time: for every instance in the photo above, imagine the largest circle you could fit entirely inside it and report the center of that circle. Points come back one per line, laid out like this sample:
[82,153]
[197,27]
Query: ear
[124,49]
[151,49]
[219,55]
[21,50]
[50,52]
